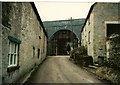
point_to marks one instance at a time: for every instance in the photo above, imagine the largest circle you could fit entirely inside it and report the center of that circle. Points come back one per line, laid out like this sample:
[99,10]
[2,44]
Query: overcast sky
[50,11]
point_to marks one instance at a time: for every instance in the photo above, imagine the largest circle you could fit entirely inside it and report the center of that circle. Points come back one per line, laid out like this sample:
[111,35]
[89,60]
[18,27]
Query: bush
[88,60]
[111,64]
[78,51]
[109,71]
[79,55]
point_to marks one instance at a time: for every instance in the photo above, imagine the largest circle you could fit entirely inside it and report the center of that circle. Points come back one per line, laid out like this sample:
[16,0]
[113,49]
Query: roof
[90,11]
[38,17]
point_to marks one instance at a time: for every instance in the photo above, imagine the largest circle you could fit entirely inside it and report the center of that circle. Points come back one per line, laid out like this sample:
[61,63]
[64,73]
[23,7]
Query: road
[61,70]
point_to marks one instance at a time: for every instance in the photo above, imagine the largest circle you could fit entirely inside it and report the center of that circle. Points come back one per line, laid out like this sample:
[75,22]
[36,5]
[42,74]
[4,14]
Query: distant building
[24,40]
[61,33]
[102,21]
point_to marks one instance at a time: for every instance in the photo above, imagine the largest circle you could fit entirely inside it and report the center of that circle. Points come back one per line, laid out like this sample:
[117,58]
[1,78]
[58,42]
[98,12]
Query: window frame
[13,54]
[109,22]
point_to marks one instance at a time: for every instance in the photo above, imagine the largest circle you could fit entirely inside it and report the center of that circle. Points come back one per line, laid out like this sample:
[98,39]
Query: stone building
[102,21]
[61,33]
[24,40]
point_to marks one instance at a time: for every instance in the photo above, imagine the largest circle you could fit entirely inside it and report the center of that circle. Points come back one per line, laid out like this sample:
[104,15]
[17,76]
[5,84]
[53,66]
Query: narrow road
[61,70]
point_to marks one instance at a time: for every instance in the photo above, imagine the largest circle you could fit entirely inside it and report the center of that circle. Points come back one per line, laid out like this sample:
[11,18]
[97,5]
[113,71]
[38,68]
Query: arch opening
[62,42]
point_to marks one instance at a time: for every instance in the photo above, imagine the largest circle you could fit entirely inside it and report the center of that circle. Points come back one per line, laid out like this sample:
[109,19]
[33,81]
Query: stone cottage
[24,40]
[102,21]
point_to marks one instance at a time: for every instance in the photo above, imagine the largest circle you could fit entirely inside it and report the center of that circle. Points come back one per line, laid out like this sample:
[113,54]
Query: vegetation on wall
[109,74]
[110,70]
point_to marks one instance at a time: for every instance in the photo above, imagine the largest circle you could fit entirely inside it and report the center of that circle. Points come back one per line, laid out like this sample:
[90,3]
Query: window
[6,12]
[113,29]
[38,52]
[33,51]
[13,54]
[89,37]
[89,21]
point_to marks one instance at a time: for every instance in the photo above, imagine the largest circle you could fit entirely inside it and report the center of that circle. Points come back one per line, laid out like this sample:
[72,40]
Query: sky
[51,11]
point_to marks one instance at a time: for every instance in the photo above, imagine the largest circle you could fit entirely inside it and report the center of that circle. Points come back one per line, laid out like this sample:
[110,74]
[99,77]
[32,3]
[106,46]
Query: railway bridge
[63,33]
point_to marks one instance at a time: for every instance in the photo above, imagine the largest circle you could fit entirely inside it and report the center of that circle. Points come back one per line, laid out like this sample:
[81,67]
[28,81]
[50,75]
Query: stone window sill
[10,69]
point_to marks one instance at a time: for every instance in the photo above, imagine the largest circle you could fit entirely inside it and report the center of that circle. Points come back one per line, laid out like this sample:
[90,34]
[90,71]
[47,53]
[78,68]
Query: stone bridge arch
[58,43]
[56,31]
[73,25]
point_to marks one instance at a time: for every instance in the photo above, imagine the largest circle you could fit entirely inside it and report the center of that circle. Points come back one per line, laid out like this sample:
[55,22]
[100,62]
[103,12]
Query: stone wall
[20,21]
[87,35]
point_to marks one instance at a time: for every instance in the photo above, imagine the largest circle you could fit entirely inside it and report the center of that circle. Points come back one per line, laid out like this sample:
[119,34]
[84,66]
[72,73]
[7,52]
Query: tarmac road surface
[59,69]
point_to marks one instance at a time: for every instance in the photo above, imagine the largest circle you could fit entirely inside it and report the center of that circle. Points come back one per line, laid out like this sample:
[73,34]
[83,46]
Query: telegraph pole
[72,40]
